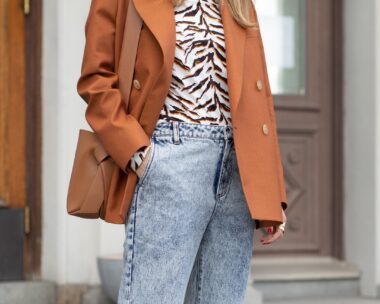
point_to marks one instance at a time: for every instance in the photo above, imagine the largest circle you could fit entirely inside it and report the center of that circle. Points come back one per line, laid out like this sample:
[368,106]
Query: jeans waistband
[179,129]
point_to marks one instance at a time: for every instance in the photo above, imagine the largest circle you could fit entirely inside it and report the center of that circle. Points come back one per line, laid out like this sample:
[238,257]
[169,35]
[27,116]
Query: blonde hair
[238,8]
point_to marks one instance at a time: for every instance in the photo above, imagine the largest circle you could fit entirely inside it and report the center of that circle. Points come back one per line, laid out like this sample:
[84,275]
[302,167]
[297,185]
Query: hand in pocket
[140,170]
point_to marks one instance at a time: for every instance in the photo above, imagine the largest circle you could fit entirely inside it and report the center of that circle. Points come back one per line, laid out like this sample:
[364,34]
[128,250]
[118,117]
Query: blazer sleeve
[119,132]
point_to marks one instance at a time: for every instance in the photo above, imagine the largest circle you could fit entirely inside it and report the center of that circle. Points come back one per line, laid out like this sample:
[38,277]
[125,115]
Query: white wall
[70,245]
[362,140]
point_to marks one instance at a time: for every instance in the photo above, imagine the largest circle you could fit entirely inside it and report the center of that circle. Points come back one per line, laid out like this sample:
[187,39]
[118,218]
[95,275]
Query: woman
[197,151]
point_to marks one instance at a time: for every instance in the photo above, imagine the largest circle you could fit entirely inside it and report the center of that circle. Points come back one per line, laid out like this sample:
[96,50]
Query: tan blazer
[123,131]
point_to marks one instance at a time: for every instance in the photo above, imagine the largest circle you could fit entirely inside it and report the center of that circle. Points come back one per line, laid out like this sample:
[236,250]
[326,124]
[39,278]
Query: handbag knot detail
[90,177]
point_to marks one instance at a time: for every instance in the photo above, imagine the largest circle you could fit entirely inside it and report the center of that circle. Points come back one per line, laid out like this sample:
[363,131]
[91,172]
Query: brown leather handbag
[92,168]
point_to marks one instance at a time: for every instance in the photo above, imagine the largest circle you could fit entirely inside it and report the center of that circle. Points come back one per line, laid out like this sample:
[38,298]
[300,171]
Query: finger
[271,238]
[271,231]
[268,239]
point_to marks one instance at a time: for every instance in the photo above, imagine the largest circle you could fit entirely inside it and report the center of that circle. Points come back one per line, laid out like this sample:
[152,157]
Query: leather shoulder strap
[128,52]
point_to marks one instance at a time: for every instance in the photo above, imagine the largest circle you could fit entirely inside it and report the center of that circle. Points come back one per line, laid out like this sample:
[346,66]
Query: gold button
[265,129]
[259,85]
[136,84]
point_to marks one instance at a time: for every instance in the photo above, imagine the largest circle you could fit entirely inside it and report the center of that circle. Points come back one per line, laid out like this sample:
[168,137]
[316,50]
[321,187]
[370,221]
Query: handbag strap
[128,53]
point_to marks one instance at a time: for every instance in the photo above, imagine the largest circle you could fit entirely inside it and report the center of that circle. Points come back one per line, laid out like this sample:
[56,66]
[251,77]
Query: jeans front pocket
[148,165]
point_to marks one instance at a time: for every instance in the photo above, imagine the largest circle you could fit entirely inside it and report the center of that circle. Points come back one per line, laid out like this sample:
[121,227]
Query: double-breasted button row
[259,86]
[136,84]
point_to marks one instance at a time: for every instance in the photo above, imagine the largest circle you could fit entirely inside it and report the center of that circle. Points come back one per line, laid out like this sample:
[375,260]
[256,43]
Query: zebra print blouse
[198,91]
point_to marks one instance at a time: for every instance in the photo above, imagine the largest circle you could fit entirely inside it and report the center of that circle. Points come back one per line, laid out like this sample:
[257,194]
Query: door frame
[337,124]
[33,145]
[333,54]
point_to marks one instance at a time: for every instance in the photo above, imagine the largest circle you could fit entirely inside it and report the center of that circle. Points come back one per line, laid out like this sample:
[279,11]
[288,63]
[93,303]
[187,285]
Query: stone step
[27,292]
[96,296]
[279,280]
[351,300]
[291,277]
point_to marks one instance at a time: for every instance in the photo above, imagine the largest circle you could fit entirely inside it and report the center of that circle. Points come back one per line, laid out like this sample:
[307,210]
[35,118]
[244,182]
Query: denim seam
[225,159]
[227,187]
[199,275]
[130,250]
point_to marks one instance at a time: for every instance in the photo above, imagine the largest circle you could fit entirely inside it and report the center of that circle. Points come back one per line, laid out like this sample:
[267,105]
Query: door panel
[12,239]
[20,235]
[299,53]
[12,139]
[12,106]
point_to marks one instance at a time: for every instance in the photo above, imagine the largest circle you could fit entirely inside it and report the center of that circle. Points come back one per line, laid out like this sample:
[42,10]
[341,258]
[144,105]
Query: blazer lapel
[158,15]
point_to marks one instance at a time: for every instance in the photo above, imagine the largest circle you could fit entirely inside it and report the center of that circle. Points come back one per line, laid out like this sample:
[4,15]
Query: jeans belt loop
[225,133]
[176,132]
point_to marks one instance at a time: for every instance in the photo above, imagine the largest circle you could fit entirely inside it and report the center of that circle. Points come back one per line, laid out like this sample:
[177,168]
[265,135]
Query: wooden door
[301,41]
[20,43]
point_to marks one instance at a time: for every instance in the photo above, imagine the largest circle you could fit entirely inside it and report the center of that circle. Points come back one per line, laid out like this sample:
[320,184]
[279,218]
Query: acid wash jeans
[189,234]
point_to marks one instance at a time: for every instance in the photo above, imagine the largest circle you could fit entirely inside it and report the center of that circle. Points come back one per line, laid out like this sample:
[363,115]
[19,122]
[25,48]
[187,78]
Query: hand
[273,232]
[140,170]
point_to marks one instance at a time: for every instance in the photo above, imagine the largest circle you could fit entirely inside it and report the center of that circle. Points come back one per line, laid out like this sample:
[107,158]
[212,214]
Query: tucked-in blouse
[198,91]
